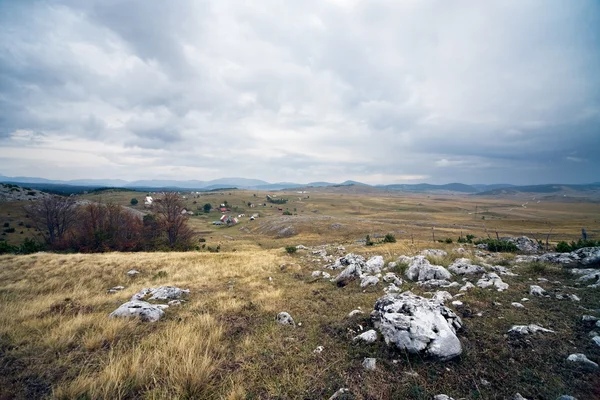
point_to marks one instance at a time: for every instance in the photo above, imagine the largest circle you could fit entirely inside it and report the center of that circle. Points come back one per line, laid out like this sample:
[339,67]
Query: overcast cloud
[376,91]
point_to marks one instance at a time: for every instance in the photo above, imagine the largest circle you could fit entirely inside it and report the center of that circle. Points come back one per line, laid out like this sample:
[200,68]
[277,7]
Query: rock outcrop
[464,266]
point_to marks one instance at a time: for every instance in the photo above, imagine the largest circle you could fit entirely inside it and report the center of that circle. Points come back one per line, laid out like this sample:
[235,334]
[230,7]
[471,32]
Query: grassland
[56,340]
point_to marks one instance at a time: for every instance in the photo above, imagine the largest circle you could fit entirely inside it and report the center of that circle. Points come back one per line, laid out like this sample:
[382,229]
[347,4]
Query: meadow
[56,340]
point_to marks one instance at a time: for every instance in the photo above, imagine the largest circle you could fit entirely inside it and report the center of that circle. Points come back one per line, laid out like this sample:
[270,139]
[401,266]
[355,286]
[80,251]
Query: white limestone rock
[492,280]
[417,324]
[369,336]
[374,265]
[141,309]
[466,287]
[391,277]
[433,253]
[529,329]
[420,269]
[463,266]
[354,312]
[370,364]
[368,280]
[517,305]
[536,290]
[441,296]
[285,318]
[160,293]
[132,272]
[582,359]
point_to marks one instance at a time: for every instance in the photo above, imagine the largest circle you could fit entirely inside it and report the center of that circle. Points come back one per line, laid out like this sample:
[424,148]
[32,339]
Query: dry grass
[56,340]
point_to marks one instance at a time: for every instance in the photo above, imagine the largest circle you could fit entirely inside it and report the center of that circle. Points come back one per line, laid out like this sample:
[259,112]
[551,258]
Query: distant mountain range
[257,184]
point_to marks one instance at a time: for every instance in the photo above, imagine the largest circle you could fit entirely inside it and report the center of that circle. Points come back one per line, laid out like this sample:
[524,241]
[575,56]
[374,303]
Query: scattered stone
[536,290]
[524,299]
[348,260]
[160,293]
[433,253]
[460,250]
[565,397]
[322,274]
[589,318]
[393,278]
[392,264]
[517,305]
[417,324]
[284,318]
[492,280]
[438,283]
[370,364]
[318,350]
[457,303]
[524,244]
[519,397]
[175,303]
[585,257]
[369,336]
[441,296]
[368,280]
[145,311]
[581,358]
[485,382]
[596,340]
[133,272]
[502,270]
[463,266]
[391,289]
[354,312]
[339,393]
[115,289]
[528,329]
[466,287]
[301,247]
[542,280]
[442,397]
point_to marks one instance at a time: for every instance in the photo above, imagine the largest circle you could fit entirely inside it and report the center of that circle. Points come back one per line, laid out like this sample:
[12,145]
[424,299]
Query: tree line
[68,225]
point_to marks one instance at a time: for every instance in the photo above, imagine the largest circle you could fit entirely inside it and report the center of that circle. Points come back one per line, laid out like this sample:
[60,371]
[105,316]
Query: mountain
[482,187]
[348,183]
[425,187]
[551,188]
[163,183]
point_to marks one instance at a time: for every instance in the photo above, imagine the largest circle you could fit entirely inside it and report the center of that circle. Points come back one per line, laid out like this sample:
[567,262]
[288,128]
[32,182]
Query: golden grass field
[56,340]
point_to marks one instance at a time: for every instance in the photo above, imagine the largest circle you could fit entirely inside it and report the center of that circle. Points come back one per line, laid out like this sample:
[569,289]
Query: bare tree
[53,216]
[173,221]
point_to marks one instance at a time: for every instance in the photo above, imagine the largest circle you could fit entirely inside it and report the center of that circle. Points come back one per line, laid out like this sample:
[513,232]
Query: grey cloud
[503,91]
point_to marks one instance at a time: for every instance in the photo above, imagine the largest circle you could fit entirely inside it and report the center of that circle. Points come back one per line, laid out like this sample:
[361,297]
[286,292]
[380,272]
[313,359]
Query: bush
[133,201]
[389,238]
[207,207]
[6,224]
[448,240]
[290,249]
[286,212]
[368,241]
[9,230]
[498,245]
[564,247]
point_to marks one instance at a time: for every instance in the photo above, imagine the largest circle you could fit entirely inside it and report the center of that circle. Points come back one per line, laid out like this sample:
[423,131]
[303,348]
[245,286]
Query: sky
[402,91]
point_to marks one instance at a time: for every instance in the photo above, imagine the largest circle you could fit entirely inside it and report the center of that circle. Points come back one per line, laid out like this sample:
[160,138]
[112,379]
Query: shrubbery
[498,245]
[389,238]
[29,246]
[564,247]
[290,249]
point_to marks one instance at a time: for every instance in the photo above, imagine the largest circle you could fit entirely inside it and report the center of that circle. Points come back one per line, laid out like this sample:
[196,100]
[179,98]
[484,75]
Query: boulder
[284,318]
[589,318]
[463,266]
[528,329]
[160,293]
[467,286]
[143,310]
[374,265]
[517,305]
[536,290]
[502,270]
[369,336]
[492,280]
[582,359]
[368,280]
[442,397]
[417,324]
[420,269]
[433,253]
[596,340]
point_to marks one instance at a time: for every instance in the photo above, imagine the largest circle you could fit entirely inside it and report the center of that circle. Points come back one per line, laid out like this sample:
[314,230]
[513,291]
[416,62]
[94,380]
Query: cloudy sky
[401,91]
